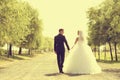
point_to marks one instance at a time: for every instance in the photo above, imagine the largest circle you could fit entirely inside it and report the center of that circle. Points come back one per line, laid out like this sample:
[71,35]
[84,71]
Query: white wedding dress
[81,60]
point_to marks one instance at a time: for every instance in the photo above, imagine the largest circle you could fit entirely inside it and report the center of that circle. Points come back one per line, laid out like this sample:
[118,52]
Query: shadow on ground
[17,57]
[57,74]
[2,58]
[114,71]
[109,62]
[2,67]
[27,55]
[53,74]
[72,75]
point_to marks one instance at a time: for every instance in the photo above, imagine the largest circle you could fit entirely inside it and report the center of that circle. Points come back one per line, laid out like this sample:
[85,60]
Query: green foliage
[104,25]
[104,22]
[33,40]
[19,25]
[2,51]
[14,21]
[47,44]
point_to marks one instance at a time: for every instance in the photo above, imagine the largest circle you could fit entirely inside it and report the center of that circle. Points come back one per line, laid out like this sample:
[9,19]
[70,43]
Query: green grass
[15,57]
[107,58]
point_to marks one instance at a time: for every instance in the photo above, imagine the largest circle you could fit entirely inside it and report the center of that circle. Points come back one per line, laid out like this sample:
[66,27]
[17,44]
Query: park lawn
[5,60]
[107,58]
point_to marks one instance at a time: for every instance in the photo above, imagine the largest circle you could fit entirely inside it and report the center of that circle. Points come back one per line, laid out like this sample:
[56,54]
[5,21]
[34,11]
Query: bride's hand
[55,52]
[68,51]
[72,47]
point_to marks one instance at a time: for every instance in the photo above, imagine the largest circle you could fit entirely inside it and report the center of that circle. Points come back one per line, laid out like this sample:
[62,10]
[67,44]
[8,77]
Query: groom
[59,48]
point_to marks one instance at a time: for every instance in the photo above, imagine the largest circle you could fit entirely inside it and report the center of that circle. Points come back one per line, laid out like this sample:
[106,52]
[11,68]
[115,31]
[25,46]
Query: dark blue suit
[59,41]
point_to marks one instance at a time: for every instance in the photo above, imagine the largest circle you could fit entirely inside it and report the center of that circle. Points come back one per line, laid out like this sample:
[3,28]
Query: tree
[47,44]
[34,39]
[14,22]
[104,24]
[95,29]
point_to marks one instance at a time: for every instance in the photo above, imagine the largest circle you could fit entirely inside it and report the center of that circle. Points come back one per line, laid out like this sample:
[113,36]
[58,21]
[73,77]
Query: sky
[67,14]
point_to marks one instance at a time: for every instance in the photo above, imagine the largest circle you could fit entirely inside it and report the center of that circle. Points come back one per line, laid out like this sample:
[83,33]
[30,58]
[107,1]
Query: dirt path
[44,67]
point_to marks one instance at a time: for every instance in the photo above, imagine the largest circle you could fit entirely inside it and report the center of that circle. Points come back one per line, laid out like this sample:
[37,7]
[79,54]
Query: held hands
[55,52]
[72,47]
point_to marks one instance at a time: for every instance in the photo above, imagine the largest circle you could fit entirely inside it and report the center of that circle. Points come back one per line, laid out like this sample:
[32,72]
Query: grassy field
[107,58]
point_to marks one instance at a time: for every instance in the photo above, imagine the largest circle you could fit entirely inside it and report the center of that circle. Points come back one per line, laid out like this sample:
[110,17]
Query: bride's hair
[82,35]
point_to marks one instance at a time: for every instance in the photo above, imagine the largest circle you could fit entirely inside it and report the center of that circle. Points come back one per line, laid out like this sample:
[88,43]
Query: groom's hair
[61,30]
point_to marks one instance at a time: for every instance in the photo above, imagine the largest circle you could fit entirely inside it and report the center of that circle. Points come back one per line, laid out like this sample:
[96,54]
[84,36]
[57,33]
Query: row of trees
[47,44]
[20,26]
[104,25]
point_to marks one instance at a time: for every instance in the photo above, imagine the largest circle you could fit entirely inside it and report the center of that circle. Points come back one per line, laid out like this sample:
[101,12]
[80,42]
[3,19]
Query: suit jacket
[59,41]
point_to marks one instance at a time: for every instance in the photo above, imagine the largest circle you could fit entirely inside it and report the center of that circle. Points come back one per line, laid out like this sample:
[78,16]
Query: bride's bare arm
[75,42]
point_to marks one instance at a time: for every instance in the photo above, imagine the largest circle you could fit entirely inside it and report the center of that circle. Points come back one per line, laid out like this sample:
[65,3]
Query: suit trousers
[60,59]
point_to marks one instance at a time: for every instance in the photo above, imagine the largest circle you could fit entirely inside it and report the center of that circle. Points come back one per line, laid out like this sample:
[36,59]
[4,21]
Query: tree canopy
[104,23]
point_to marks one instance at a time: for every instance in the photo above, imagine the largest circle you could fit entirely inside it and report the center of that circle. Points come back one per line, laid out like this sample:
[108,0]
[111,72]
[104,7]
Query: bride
[81,60]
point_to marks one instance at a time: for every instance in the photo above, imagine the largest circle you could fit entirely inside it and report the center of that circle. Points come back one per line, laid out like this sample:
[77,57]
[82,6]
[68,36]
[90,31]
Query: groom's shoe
[61,72]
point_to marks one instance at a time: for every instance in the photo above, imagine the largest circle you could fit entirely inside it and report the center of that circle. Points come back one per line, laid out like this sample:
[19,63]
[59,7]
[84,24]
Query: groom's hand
[55,52]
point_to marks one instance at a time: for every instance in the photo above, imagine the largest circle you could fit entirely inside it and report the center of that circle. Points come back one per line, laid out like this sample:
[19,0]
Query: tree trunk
[95,51]
[7,50]
[29,51]
[10,50]
[105,53]
[99,52]
[111,51]
[20,51]
[115,46]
